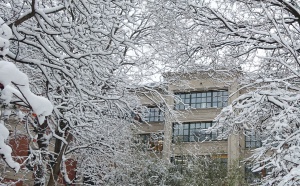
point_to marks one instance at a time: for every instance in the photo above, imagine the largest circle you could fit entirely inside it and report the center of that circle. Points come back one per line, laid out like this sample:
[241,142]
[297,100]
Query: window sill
[210,108]
[212,141]
[153,122]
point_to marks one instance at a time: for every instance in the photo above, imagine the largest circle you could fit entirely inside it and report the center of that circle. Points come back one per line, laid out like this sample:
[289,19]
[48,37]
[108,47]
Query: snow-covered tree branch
[79,55]
[15,86]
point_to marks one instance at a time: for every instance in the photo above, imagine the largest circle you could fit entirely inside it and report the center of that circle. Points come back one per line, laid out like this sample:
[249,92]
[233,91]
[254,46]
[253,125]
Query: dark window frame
[194,132]
[252,139]
[204,99]
[154,114]
[148,114]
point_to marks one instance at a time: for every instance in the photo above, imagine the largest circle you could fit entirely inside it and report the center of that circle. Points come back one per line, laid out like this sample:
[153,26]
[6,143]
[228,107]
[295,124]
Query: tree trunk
[56,167]
[40,169]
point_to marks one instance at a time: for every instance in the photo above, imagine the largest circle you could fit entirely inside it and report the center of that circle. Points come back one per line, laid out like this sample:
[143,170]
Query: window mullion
[159,114]
[189,134]
[211,99]
[190,101]
[211,133]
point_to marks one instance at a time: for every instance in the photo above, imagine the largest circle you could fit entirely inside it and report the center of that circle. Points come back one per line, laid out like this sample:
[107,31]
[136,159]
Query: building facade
[197,99]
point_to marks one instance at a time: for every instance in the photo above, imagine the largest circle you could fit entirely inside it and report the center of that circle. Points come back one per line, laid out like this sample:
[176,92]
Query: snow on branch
[6,150]
[16,83]
[274,116]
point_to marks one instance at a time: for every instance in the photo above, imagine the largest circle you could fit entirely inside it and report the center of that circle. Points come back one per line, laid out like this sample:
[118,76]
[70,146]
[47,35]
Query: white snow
[16,84]
[9,76]
[5,149]
[5,31]
[5,34]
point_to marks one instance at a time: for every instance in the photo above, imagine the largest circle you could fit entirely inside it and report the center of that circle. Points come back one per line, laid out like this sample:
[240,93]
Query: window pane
[185,126]
[252,140]
[185,138]
[196,131]
[220,104]
[185,132]
[202,99]
[154,114]
[192,139]
[187,101]
[180,132]
[208,125]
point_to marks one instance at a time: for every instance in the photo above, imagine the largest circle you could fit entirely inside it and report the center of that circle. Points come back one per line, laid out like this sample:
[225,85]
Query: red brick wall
[71,170]
[6,180]
[20,147]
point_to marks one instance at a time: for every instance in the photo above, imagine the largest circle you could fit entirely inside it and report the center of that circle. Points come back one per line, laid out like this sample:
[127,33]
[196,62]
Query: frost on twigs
[6,150]
[14,84]
[273,114]
[5,34]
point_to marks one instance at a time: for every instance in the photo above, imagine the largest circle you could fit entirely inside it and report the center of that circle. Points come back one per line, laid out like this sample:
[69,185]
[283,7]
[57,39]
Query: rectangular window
[194,132]
[209,99]
[181,162]
[252,139]
[148,114]
[154,114]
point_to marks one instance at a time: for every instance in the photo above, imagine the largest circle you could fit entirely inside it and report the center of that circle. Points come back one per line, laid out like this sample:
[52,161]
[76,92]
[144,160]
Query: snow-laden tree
[259,37]
[78,54]
[14,83]
[273,113]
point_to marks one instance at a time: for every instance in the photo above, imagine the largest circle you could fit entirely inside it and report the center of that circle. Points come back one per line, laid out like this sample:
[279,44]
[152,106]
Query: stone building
[183,120]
